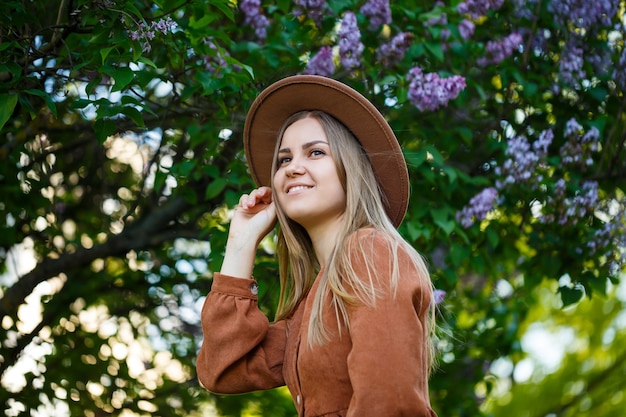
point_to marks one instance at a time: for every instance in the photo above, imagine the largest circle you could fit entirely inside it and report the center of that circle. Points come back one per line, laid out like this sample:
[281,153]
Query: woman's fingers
[260,195]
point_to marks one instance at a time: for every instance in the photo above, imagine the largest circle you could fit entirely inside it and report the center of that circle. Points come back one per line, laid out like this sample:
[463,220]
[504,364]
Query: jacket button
[254,288]
[298,399]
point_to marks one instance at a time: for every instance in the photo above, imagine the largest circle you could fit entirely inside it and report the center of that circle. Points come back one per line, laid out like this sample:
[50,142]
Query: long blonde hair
[298,268]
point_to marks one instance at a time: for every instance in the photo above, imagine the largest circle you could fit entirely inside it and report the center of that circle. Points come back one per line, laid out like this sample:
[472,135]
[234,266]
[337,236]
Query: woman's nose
[295,167]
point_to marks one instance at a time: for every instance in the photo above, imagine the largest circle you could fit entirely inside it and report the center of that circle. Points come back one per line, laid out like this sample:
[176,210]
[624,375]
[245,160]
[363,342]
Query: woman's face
[306,183]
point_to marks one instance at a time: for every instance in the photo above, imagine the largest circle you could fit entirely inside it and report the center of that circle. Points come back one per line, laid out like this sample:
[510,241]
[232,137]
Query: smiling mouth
[298,188]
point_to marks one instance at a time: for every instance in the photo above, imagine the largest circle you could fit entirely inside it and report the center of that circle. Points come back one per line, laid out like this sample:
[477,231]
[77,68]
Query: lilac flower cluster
[478,208]
[350,45]
[478,8]
[610,240]
[429,91]
[498,51]
[438,296]
[524,9]
[442,19]
[392,52]
[571,63]
[584,14]
[378,12]
[580,205]
[314,9]
[580,146]
[619,73]
[145,33]
[466,29]
[523,161]
[213,62]
[255,17]
[322,63]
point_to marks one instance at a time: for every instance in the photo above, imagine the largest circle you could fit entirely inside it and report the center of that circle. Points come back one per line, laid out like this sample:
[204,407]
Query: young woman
[352,336]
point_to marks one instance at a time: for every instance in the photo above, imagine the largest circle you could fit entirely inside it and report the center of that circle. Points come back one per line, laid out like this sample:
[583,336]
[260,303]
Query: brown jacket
[376,368]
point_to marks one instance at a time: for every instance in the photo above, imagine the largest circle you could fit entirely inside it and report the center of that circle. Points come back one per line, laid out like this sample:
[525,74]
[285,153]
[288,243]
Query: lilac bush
[430,92]
[478,8]
[392,52]
[584,14]
[314,9]
[322,63]
[498,51]
[580,146]
[146,33]
[255,17]
[478,208]
[350,45]
[378,12]
[523,161]
[466,29]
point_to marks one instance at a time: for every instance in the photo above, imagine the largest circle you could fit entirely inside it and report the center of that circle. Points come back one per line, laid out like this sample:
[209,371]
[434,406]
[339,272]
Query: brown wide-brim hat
[312,92]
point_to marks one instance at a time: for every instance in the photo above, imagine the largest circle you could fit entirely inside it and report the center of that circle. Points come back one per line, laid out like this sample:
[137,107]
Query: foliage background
[121,154]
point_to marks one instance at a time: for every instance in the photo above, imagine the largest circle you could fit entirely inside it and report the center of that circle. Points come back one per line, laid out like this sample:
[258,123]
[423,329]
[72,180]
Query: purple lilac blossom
[429,91]
[524,9]
[609,239]
[578,148]
[478,208]
[584,14]
[350,46]
[322,63]
[523,161]
[314,9]
[478,8]
[164,26]
[581,205]
[498,51]
[619,73]
[466,29]
[441,20]
[145,33]
[571,64]
[378,12]
[213,62]
[255,17]
[392,52]
[438,296]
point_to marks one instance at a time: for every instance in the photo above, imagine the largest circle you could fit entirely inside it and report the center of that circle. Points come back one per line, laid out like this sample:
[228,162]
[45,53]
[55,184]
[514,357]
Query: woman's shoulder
[370,237]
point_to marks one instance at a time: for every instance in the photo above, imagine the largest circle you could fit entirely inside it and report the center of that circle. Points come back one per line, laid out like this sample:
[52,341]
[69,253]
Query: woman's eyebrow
[304,145]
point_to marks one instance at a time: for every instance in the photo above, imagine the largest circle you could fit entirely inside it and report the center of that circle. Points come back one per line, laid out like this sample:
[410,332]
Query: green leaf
[215,188]
[147,61]
[571,295]
[104,128]
[49,102]
[7,105]
[225,9]
[443,220]
[122,76]
[104,52]
[435,49]
[133,114]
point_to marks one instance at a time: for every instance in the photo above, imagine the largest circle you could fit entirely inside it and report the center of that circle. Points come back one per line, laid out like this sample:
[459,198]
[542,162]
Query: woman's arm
[253,218]
[241,351]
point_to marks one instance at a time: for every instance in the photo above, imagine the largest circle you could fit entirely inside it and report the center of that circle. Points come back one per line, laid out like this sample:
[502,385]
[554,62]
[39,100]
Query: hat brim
[312,92]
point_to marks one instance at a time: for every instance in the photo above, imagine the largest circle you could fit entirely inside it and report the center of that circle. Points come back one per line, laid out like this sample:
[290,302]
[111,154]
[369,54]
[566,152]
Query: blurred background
[121,158]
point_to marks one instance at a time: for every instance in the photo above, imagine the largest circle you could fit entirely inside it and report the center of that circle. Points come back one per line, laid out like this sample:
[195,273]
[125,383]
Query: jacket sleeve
[388,364]
[241,351]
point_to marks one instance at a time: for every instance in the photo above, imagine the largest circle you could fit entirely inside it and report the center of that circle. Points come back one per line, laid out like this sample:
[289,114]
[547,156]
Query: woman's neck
[324,239]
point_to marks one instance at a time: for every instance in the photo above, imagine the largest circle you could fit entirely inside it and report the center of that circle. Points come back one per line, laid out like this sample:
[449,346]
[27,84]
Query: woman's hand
[254,217]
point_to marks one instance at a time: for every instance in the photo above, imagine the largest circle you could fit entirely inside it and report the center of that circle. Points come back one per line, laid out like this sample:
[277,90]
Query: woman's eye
[317,152]
[284,160]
